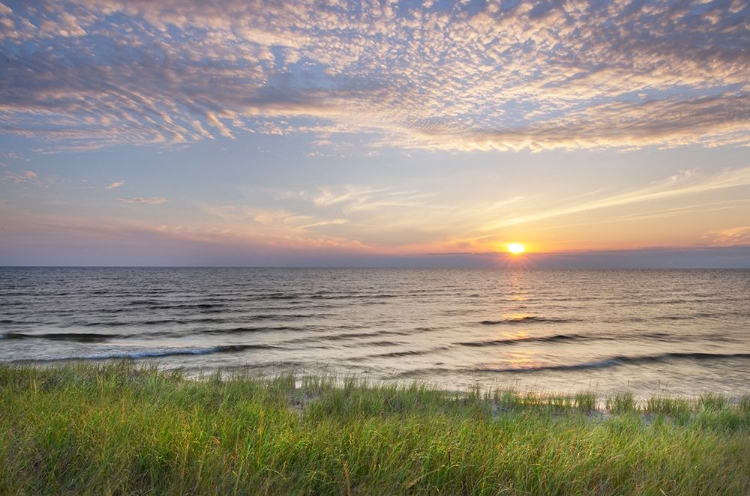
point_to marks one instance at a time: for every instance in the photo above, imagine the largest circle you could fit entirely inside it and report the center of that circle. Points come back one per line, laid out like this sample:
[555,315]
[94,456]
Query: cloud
[115,184]
[326,196]
[19,177]
[145,201]
[84,74]
[332,222]
[215,122]
[686,183]
[729,237]
[352,215]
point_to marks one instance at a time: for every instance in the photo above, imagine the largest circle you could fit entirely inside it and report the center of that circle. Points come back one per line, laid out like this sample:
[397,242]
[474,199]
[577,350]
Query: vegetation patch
[119,428]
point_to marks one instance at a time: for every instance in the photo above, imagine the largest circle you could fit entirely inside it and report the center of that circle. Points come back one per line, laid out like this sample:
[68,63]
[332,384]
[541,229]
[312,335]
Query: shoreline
[512,382]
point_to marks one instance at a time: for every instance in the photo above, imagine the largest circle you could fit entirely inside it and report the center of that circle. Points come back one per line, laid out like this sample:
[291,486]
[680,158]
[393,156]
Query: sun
[516,248]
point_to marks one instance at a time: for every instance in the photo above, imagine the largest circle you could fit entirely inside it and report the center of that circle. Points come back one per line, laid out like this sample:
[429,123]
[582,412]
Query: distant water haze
[647,331]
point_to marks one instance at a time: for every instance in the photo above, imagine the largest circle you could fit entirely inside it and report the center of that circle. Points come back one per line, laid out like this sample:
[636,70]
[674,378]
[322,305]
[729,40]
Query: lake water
[652,331]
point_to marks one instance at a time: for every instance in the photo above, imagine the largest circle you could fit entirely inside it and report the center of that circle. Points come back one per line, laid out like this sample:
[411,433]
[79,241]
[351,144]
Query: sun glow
[516,248]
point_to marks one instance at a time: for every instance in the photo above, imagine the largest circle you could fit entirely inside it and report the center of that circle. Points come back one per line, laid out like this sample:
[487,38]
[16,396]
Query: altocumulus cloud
[115,184]
[145,201]
[446,75]
[17,177]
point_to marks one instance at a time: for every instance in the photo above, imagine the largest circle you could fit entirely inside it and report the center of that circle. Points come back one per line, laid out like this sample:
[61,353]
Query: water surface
[650,331]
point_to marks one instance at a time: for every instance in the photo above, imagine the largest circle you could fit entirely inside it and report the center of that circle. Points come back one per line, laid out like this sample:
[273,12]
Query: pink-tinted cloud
[145,201]
[729,237]
[115,184]
[18,177]
[464,76]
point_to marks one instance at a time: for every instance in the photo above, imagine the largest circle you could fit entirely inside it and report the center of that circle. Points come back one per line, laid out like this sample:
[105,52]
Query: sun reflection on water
[516,317]
[517,336]
[522,360]
[519,360]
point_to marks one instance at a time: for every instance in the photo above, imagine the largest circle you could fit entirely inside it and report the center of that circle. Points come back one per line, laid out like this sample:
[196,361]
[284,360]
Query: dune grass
[121,429]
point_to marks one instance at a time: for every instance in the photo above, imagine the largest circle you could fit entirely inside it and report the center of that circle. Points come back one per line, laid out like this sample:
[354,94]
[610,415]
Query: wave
[355,335]
[428,329]
[285,316]
[343,336]
[134,355]
[141,323]
[322,296]
[203,307]
[678,317]
[139,303]
[396,354]
[542,339]
[381,343]
[238,330]
[527,320]
[212,300]
[200,320]
[275,296]
[106,324]
[619,360]
[430,371]
[65,336]
[173,321]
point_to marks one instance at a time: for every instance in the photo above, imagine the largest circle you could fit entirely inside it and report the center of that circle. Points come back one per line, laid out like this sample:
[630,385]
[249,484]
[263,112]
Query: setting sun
[516,248]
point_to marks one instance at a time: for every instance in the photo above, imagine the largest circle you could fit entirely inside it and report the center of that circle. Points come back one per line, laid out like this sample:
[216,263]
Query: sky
[385,133]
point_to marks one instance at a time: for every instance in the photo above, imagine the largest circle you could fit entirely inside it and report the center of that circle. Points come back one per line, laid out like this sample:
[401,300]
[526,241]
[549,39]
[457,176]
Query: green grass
[119,429]
[622,403]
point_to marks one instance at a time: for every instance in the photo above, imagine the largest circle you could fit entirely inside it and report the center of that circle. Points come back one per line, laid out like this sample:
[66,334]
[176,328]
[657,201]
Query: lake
[648,331]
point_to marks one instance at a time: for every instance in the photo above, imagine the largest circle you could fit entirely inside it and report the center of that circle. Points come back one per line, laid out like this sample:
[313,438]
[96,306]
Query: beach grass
[124,429]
